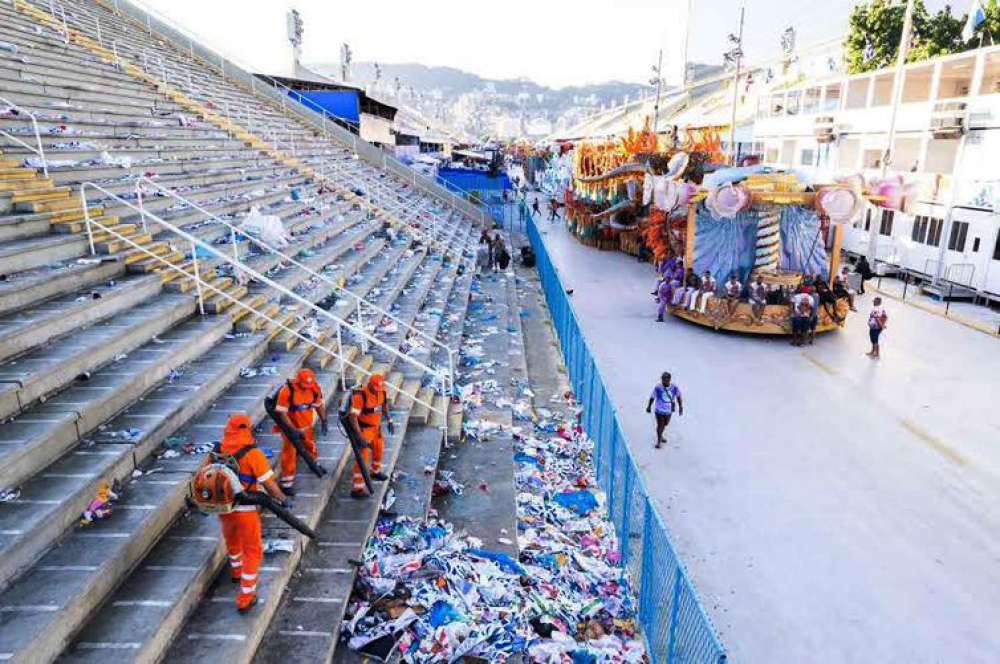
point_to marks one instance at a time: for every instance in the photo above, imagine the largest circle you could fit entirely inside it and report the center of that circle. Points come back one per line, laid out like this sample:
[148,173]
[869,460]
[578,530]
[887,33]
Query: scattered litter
[100,507]
[446,483]
[9,495]
[429,594]
[252,372]
[276,545]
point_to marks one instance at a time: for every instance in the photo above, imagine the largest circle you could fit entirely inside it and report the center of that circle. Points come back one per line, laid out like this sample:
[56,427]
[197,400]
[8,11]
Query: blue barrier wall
[343,104]
[677,629]
[470,180]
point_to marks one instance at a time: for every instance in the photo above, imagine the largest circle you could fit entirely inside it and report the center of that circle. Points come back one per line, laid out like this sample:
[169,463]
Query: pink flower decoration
[727,201]
[839,203]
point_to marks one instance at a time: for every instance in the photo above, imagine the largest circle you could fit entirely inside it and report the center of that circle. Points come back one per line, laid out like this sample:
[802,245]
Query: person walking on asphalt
[667,397]
[865,270]
[535,209]
[877,320]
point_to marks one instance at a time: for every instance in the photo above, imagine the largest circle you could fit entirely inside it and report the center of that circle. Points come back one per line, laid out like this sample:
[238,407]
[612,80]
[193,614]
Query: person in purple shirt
[666,397]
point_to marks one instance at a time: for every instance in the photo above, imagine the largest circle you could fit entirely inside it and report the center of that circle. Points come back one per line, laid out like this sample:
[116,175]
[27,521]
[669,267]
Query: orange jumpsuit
[300,403]
[367,406]
[241,527]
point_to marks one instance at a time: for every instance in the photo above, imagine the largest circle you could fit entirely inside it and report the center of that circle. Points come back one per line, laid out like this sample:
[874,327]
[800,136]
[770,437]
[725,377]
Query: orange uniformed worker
[367,409]
[299,401]
[241,527]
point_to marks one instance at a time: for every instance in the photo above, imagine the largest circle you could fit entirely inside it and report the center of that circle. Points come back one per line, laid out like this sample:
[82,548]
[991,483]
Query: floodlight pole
[736,87]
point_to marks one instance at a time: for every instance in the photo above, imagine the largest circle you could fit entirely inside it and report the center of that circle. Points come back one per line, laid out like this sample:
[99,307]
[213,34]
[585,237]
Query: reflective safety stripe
[245,508]
[235,557]
[298,408]
[246,590]
[248,577]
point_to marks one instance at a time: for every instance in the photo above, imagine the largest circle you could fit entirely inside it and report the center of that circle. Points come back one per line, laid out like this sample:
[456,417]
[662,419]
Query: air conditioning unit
[948,119]
[823,129]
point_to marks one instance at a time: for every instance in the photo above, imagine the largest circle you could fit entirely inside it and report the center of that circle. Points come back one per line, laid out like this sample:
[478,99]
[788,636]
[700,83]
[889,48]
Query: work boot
[245,601]
[359,493]
[288,490]
[234,575]
[379,476]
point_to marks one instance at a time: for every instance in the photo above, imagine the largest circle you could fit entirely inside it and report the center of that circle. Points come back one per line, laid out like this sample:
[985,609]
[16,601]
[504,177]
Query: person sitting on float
[826,298]
[732,288]
[758,299]
[842,292]
[705,293]
[690,285]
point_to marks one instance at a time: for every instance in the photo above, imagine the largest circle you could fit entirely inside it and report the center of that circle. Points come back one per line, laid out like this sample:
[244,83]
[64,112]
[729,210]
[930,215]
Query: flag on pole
[977,16]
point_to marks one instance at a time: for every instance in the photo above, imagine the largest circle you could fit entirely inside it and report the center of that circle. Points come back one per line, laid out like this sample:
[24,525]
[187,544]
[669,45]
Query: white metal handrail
[196,243]
[39,150]
[406,215]
[381,188]
[145,181]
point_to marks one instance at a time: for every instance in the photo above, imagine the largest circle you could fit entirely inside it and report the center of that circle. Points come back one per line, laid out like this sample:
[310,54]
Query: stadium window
[885,227]
[808,157]
[956,241]
[919,232]
[934,232]
[975,245]
[996,248]
[868,219]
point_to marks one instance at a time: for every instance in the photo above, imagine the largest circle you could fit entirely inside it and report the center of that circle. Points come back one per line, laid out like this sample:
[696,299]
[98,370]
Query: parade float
[666,200]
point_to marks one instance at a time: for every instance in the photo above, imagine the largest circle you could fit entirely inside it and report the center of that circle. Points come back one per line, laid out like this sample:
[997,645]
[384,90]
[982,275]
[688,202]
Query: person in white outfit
[707,291]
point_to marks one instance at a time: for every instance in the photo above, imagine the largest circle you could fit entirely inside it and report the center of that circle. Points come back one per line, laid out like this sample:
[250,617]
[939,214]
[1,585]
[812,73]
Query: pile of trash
[435,595]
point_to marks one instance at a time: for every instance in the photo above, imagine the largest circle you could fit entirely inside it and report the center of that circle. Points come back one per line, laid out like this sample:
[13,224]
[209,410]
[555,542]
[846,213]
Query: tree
[874,30]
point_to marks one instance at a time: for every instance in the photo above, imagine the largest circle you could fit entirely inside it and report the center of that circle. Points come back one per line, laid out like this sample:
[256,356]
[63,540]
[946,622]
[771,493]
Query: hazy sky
[554,42]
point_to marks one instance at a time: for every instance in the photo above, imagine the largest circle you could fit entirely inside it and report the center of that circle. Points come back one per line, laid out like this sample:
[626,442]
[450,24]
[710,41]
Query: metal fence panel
[676,627]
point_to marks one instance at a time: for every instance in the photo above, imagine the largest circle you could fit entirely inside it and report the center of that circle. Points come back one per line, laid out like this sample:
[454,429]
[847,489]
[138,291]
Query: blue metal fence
[677,629]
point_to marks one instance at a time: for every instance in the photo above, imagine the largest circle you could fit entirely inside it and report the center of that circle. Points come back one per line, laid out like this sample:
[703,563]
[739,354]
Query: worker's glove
[287,503]
[390,426]
[324,427]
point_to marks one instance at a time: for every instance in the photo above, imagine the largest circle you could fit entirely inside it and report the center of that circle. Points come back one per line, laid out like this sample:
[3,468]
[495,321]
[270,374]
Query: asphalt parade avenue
[830,507]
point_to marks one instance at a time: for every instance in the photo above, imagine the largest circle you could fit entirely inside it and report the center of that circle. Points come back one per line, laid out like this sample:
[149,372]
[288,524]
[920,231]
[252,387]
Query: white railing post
[236,246]
[86,216]
[197,277]
[361,324]
[118,60]
[145,61]
[340,352]
[142,210]
[163,69]
[62,12]
[97,24]
[451,371]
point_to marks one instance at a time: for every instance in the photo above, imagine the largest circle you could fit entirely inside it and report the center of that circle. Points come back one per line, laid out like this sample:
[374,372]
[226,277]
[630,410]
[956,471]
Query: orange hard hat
[305,378]
[239,431]
[376,383]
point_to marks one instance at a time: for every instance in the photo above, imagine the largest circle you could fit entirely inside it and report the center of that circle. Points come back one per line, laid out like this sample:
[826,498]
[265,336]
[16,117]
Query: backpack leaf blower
[293,436]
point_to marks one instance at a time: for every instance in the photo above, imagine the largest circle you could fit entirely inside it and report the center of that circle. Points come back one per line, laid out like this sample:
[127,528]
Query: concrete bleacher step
[35,326]
[31,287]
[26,254]
[46,369]
[152,393]
[156,598]
[421,412]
